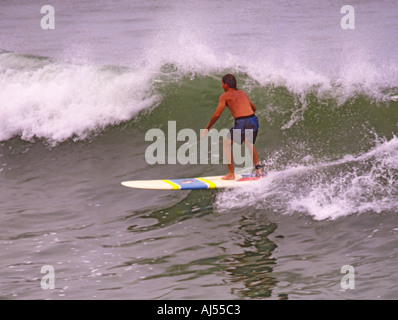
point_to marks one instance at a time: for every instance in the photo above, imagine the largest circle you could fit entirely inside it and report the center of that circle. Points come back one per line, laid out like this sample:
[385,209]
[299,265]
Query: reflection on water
[231,250]
[195,204]
[253,267]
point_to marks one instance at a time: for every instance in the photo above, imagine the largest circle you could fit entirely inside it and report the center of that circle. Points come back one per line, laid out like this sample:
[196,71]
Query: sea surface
[77,101]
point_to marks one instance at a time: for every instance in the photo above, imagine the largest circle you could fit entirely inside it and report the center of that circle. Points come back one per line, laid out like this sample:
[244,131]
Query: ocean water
[76,102]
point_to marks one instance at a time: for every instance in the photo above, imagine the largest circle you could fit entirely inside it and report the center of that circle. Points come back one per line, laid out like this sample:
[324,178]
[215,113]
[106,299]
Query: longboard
[214,182]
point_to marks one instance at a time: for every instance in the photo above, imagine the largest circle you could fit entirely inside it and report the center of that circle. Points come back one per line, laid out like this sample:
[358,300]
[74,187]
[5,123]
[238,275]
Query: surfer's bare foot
[229,176]
[259,170]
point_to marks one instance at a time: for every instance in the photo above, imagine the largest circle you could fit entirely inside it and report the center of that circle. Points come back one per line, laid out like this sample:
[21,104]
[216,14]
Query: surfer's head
[230,81]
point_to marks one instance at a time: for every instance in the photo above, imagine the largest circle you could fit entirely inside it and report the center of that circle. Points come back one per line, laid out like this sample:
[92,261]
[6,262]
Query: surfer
[242,109]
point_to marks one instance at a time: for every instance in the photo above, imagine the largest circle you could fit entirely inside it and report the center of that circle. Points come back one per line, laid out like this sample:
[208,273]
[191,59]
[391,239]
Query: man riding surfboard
[242,109]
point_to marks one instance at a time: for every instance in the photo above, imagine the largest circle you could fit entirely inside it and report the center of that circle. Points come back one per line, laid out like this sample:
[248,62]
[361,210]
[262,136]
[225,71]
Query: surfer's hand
[204,132]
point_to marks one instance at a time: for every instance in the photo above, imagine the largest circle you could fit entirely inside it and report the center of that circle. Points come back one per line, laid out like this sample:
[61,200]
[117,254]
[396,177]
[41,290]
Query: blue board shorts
[237,132]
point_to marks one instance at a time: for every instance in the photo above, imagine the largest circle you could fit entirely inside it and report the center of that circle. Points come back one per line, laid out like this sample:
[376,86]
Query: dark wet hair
[230,80]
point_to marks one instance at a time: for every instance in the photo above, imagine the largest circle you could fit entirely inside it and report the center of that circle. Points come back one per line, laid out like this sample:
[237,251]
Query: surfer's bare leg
[254,155]
[229,159]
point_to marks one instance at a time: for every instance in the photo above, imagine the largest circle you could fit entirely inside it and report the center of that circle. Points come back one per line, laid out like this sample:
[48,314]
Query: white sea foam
[326,190]
[57,101]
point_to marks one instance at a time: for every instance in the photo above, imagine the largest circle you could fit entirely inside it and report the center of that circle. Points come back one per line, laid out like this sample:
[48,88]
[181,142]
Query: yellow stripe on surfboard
[212,185]
[174,185]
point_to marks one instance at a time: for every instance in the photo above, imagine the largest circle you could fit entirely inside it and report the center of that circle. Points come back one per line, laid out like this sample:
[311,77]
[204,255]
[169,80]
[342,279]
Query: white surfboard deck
[214,182]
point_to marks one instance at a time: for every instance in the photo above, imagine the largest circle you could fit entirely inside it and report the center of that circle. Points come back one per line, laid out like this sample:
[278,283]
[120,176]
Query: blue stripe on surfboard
[190,184]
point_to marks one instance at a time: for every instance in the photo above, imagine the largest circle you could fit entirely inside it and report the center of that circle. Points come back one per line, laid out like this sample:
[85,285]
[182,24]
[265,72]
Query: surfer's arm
[252,105]
[220,108]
